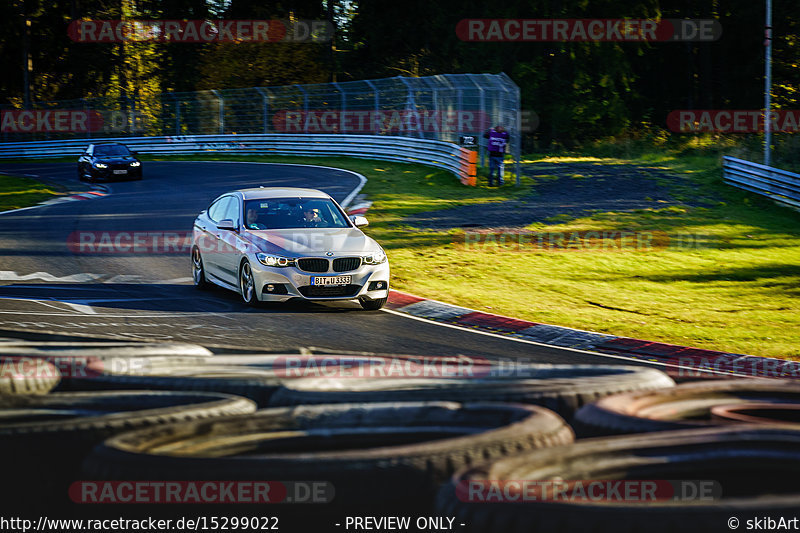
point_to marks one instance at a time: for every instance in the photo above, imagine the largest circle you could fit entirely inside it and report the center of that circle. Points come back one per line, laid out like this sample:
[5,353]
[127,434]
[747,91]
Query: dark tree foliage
[581,91]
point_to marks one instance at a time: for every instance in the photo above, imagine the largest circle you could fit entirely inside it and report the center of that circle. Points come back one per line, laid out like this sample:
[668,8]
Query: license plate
[120,172]
[335,280]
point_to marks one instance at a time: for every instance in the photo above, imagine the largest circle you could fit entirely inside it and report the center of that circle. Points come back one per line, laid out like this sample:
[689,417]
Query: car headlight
[375,258]
[100,165]
[136,164]
[274,260]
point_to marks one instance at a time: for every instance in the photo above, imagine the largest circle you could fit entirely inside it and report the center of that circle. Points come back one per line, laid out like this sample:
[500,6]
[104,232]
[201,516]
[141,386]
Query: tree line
[580,90]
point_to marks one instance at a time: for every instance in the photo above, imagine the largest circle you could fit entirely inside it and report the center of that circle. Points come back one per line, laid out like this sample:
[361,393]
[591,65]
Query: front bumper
[107,174]
[297,283]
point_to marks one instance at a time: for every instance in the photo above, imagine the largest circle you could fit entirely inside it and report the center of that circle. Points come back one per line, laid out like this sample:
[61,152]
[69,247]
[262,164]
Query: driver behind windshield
[311,218]
[252,219]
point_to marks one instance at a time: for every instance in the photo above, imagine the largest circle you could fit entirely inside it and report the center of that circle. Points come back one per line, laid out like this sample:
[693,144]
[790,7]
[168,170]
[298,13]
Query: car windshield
[292,213]
[111,149]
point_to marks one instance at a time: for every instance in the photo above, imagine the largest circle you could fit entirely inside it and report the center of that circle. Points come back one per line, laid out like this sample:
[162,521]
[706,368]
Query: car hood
[311,242]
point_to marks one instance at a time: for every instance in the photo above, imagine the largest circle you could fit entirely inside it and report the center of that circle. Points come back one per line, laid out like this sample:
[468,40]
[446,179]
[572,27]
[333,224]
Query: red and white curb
[682,360]
[88,195]
[360,205]
[98,191]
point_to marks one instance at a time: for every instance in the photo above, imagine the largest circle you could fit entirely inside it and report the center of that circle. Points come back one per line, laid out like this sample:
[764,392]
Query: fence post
[265,106]
[177,114]
[377,105]
[436,112]
[86,110]
[413,101]
[459,108]
[221,118]
[518,146]
[130,115]
[342,106]
[305,107]
[482,116]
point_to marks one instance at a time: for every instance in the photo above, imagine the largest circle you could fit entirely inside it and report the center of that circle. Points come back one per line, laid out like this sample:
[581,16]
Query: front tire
[373,305]
[247,284]
[198,271]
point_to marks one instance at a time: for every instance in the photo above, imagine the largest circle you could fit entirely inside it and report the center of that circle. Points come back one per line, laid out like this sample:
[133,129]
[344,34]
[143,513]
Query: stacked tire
[375,457]
[738,436]
[45,435]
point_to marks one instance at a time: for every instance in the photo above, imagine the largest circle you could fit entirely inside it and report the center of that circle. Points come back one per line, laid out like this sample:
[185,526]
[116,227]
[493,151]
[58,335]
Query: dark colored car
[108,161]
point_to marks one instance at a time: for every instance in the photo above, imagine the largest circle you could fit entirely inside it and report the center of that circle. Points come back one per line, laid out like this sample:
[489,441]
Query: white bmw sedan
[278,244]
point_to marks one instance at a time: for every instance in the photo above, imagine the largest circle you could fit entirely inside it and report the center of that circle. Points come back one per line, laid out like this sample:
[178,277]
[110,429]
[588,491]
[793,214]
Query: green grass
[735,285]
[17,192]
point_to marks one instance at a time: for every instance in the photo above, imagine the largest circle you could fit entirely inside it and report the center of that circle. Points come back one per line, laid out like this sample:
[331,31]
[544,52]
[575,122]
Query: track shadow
[84,298]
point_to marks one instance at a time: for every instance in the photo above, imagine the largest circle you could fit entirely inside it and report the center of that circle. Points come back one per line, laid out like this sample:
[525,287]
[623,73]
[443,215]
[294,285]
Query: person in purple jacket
[498,139]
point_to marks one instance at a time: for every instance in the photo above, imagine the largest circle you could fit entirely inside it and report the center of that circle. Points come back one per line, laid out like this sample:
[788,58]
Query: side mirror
[227,224]
[360,221]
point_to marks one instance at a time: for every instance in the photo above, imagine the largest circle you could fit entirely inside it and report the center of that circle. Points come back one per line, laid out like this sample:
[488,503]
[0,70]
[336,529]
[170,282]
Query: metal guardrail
[440,154]
[779,185]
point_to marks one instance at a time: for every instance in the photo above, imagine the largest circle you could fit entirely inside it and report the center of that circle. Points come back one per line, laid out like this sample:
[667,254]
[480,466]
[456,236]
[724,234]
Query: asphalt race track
[45,286]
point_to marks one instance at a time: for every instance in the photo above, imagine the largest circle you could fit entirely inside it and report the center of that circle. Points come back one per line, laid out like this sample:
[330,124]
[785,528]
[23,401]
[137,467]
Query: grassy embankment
[17,192]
